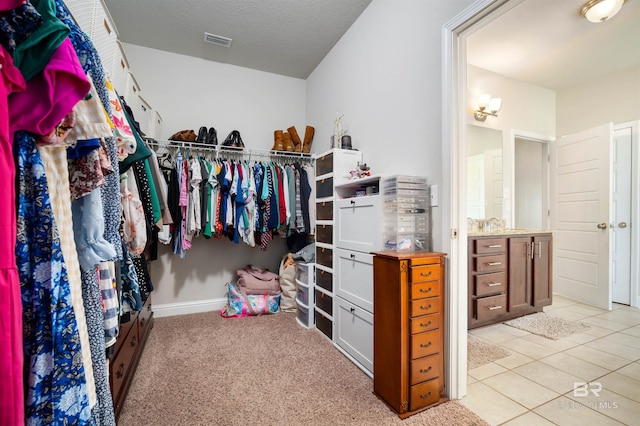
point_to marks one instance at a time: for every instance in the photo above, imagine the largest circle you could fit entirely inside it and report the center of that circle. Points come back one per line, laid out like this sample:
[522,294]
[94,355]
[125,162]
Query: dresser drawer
[425,323]
[354,273]
[324,279]
[324,256]
[491,306]
[324,324]
[425,273]
[426,289]
[324,234]
[354,332]
[123,359]
[324,302]
[324,210]
[424,344]
[144,318]
[324,188]
[490,263]
[425,368]
[424,394]
[125,327]
[427,306]
[324,164]
[490,245]
[490,283]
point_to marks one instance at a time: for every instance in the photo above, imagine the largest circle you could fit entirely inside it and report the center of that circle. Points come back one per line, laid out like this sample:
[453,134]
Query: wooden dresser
[133,336]
[408,330]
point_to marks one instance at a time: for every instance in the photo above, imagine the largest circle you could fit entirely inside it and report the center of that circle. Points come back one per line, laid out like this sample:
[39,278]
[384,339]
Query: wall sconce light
[601,10]
[487,106]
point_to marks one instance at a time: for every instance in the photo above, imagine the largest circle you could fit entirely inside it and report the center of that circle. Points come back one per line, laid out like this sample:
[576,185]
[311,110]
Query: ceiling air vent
[216,39]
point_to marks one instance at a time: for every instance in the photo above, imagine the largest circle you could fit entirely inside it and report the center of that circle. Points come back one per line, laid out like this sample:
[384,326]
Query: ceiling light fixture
[601,10]
[487,106]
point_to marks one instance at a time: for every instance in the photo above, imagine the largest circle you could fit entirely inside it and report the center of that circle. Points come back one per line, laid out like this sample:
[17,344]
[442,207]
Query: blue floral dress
[57,389]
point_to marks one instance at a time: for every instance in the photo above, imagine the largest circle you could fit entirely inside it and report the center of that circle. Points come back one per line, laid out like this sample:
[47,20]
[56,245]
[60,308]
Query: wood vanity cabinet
[509,276]
[408,330]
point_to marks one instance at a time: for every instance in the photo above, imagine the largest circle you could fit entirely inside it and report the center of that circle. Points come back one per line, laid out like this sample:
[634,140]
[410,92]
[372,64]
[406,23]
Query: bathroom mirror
[484,173]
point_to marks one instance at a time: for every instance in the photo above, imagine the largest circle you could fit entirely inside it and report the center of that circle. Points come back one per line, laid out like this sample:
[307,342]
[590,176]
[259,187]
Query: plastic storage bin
[406,213]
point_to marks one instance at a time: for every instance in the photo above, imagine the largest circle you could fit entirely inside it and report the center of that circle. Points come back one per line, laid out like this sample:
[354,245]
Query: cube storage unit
[305,273]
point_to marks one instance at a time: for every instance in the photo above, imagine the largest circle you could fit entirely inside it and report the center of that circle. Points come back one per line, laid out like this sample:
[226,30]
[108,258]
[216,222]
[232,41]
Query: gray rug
[480,353]
[547,326]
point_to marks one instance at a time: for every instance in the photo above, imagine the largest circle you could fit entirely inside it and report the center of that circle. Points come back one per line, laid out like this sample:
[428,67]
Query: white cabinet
[354,333]
[358,223]
[354,277]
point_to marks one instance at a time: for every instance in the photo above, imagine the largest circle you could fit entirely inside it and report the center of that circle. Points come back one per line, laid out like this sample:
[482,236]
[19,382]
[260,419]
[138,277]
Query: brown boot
[277,141]
[308,138]
[295,139]
[286,141]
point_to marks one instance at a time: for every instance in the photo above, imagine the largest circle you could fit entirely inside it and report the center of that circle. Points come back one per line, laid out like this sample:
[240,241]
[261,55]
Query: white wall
[189,93]
[384,75]
[612,99]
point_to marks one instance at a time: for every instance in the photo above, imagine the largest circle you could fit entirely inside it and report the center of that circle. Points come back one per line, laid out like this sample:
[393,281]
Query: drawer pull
[426,308]
[423,396]
[422,274]
[353,256]
[493,284]
[422,345]
[495,246]
[120,371]
[353,202]
[422,290]
[493,308]
[352,310]
[142,320]
[134,341]
[494,263]
[426,371]
[426,325]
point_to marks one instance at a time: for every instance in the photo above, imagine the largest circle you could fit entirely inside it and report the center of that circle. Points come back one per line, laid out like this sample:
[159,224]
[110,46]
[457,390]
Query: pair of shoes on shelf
[233,140]
[209,137]
[298,144]
[184,135]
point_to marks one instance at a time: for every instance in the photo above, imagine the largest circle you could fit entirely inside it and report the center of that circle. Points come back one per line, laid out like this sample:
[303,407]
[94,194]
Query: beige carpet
[202,369]
[480,353]
[547,326]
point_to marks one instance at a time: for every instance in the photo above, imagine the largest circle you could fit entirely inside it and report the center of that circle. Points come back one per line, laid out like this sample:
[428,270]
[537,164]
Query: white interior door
[580,191]
[621,216]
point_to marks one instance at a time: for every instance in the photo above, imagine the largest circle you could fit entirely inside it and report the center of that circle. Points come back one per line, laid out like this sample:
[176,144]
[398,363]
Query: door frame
[454,176]
[635,208]
[511,151]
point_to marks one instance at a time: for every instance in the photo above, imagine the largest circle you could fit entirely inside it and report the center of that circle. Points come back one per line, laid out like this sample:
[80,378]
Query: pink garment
[11,355]
[11,4]
[51,94]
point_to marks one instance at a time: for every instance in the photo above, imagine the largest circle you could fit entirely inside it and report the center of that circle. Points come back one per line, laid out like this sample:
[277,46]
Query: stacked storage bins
[406,213]
[305,273]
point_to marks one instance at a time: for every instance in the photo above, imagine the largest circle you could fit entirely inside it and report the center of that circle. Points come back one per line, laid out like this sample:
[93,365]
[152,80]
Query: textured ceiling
[544,42]
[548,43]
[287,37]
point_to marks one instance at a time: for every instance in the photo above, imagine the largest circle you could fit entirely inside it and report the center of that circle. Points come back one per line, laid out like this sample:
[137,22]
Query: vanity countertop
[519,231]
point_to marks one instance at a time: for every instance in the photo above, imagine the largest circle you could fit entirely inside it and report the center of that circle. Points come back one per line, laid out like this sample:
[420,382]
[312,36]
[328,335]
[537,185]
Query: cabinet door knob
[120,371]
[353,256]
[352,310]
[353,202]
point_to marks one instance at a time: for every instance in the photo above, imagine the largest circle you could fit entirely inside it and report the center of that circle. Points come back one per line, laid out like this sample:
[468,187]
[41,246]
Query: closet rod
[221,151]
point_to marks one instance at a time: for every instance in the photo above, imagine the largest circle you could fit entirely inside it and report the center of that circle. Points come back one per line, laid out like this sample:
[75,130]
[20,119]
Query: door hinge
[454,233]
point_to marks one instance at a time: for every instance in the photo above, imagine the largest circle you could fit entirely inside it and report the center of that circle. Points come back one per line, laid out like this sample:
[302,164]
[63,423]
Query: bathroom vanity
[509,274]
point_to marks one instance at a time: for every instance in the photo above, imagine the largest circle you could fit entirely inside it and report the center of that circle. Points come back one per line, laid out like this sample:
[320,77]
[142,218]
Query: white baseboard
[183,308]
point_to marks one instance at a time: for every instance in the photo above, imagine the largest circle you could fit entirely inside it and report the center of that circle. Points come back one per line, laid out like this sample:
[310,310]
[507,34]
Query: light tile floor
[535,384]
